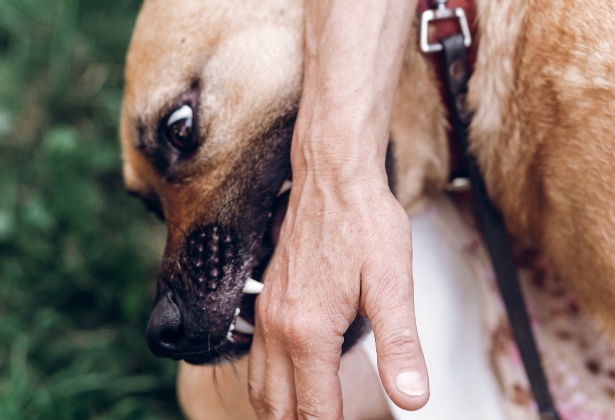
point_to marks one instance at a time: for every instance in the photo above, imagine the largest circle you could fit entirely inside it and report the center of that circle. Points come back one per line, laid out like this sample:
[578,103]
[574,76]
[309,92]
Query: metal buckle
[442,13]
[459,184]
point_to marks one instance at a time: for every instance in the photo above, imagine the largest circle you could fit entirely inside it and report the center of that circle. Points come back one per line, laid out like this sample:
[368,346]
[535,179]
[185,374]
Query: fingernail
[411,383]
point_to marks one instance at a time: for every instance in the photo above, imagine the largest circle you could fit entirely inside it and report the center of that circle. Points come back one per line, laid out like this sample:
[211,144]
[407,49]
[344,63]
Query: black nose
[164,329]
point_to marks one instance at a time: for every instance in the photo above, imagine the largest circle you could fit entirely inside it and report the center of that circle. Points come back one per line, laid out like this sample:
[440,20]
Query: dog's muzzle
[202,314]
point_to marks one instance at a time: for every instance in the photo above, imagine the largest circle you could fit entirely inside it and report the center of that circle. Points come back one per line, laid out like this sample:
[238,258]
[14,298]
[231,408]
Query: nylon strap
[492,226]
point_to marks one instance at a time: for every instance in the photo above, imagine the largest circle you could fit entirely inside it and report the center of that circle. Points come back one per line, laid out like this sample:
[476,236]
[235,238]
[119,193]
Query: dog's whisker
[175,225]
[231,208]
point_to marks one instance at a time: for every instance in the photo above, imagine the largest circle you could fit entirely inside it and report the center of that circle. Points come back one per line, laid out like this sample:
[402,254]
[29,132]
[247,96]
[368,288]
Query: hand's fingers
[401,365]
[272,389]
[319,393]
[316,361]
[280,384]
[257,371]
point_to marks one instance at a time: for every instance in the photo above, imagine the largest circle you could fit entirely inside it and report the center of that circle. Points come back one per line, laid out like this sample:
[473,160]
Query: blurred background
[78,257]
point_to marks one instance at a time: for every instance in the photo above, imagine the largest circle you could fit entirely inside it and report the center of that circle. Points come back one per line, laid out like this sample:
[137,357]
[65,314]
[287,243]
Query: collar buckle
[441,12]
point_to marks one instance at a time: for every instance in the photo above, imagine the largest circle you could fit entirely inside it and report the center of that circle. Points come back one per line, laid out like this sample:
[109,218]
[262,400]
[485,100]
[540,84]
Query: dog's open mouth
[241,329]
[208,316]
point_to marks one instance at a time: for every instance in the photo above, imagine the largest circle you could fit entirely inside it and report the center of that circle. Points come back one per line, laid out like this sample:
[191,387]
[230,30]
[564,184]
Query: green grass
[78,258]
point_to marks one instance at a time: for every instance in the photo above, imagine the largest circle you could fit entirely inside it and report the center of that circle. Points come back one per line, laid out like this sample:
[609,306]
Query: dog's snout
[165,330]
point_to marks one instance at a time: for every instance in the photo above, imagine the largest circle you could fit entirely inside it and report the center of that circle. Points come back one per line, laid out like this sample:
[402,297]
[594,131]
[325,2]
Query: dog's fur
[544,134]
[543,92]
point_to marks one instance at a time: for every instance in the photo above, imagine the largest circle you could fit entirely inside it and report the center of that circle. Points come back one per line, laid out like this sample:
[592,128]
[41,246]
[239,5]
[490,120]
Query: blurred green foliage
[78,257]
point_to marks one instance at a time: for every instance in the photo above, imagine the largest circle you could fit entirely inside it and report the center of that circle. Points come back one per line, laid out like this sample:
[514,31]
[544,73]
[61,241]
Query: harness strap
[491,224]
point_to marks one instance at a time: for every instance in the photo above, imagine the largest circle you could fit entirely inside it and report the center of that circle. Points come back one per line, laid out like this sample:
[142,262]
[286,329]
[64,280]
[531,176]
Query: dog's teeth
[243,326]
[232,327]
[286,186]
[229,337]
[237,310]
[182,113]
[252,287]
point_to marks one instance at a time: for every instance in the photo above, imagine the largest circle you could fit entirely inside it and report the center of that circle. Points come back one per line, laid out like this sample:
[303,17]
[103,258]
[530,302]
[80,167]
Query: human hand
[343,249]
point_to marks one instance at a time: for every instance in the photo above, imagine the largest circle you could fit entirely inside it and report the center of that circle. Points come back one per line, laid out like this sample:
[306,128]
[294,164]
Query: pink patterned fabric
[578,359]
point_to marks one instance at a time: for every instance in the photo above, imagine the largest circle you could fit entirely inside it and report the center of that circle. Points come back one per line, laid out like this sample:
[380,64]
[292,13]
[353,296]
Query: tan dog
[212,89]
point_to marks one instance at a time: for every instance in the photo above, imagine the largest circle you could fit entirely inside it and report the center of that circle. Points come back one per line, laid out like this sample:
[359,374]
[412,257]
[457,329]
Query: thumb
[401,365]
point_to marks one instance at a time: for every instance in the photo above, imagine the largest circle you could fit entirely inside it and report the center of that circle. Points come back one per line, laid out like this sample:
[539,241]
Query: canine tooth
[237,310]
[286,186]
[243,326]
[181,114]
[252,287]
[232,327]
[229,337]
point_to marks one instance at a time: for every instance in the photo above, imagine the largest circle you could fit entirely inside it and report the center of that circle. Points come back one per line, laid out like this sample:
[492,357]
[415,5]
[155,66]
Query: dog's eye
[179,129]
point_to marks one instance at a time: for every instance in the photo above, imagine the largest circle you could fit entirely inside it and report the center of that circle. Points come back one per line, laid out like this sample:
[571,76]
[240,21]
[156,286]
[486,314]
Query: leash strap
[491,224]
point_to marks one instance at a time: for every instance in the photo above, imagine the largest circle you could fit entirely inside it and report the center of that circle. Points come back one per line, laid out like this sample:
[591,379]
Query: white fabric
[448,311]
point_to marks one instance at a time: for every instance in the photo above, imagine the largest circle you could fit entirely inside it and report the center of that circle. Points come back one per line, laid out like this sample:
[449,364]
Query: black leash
[492,227]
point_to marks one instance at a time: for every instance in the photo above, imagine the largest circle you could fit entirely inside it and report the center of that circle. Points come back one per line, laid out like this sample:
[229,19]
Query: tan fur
[546,139]
[418,132]
[208,45]
[543,94]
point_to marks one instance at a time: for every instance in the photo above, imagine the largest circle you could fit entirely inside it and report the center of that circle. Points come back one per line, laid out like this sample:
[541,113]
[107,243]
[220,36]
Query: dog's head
[212,90]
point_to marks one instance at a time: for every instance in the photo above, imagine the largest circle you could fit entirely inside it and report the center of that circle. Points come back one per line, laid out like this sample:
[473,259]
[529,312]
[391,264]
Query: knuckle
[399,343]
[300,331]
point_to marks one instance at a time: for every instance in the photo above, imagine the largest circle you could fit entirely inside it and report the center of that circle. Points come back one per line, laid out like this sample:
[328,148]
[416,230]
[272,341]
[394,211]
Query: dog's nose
[164,329]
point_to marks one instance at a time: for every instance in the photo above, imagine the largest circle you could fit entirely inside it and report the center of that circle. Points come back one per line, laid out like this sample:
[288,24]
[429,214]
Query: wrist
[352,166]
[343,142]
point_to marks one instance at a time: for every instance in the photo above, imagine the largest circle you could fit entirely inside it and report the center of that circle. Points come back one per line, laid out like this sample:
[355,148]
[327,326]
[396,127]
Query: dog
[211,95]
